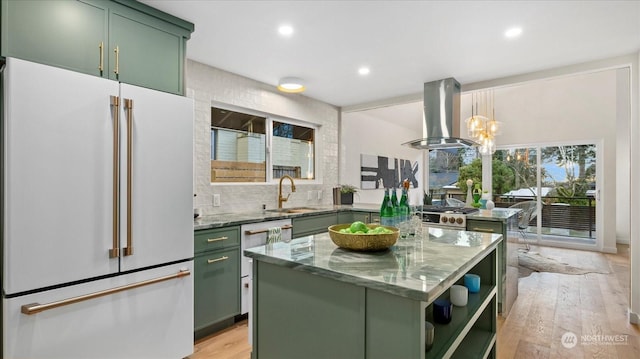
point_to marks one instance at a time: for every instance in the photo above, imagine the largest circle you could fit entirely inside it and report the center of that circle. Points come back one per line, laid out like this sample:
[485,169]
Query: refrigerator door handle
[34,308]
[128,107]
[114,251]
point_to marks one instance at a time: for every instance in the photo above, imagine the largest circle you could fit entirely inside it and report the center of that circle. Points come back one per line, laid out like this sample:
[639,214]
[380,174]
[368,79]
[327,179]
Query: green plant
[347,188]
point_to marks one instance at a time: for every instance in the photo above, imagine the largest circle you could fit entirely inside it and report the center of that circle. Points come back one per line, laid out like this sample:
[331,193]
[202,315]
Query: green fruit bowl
[363,242]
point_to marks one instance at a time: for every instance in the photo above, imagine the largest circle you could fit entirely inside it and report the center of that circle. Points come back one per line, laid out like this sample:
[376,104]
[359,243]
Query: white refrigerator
[97,227]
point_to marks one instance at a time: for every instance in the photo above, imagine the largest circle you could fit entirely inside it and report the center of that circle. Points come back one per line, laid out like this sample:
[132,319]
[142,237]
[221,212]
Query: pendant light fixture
[291,85]
[482,126]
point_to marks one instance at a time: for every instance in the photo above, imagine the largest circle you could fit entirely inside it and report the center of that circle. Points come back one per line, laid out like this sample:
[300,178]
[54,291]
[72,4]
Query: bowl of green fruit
[359,236]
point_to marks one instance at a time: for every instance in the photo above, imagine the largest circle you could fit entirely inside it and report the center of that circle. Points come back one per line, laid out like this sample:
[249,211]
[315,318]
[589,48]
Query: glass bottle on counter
[386,210]
[404,212]
[396,209]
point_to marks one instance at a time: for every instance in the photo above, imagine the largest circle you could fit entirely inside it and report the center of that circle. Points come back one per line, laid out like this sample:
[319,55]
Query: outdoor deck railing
[577,217]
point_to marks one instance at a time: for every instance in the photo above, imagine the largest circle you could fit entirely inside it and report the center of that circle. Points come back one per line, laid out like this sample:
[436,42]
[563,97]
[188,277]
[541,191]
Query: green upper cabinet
[122,40]
[60,33]
[150,53]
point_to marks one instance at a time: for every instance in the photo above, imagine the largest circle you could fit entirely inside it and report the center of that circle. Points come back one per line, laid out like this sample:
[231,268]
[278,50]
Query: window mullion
[268,150]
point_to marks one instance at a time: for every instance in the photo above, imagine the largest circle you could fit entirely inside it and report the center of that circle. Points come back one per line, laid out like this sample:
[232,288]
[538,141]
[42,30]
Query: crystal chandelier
[482,125]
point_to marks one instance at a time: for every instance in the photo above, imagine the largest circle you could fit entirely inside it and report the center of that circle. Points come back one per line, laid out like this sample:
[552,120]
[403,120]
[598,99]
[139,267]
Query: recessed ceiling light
[364,71]
[513,32]
[285,30]
[291,85]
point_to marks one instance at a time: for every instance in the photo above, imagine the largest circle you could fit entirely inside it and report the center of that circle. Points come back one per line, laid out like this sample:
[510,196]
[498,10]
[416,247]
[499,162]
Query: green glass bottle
[396,210]
[386,210]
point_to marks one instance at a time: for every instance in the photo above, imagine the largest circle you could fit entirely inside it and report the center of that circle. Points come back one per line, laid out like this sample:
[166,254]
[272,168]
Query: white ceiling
[405,43]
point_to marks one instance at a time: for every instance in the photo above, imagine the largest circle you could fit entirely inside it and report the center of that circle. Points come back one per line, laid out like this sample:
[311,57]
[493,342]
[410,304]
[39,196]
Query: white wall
[209,86]
[634,314]
[364,133]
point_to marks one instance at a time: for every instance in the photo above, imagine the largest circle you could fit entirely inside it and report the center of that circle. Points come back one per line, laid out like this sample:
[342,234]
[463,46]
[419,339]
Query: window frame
[269,119]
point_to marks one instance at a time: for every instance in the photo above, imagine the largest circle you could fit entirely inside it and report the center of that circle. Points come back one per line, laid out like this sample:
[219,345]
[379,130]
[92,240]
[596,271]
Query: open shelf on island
[478,343]
[447,337]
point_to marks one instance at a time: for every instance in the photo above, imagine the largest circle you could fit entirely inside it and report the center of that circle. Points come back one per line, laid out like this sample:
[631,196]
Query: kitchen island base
[300,313]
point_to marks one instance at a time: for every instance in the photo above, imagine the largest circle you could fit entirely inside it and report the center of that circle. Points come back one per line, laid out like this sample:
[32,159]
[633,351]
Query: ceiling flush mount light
[291,85]
[364,71]
[513,32]
[285,30]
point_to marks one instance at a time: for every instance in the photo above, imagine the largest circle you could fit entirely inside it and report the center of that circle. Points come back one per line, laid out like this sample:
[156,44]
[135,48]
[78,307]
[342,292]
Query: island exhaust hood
[441,117]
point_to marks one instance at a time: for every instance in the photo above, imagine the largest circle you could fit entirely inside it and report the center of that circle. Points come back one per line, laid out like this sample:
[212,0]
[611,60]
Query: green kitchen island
[312,299]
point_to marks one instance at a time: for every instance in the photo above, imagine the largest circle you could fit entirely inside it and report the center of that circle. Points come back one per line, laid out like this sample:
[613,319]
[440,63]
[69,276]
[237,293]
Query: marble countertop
[496,214]
[230,219]
[420,269]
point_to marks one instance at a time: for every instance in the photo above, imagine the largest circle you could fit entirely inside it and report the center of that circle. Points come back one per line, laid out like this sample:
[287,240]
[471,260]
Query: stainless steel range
[446,217]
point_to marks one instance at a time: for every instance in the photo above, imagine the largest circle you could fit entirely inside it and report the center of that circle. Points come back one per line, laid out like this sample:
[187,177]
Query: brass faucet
[293,189]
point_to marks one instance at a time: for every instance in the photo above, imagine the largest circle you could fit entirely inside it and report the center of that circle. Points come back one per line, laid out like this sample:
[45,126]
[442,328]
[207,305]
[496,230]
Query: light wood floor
[548,306]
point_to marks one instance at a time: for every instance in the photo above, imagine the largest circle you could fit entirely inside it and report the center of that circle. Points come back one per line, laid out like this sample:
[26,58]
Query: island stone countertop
[419,269]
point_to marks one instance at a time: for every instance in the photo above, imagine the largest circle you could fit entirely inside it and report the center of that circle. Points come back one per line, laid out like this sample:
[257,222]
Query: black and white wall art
[384,172]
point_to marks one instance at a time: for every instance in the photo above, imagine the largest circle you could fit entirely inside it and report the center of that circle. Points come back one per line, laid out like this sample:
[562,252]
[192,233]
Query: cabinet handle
[477,229]
[128,107]
[216,239]
[116,70]
[36,307]
[101,66]
[286,226]
[223,258]
[114,251]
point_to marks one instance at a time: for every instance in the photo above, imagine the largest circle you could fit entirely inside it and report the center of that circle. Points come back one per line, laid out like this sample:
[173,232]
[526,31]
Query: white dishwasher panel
[261,231]
[248,240]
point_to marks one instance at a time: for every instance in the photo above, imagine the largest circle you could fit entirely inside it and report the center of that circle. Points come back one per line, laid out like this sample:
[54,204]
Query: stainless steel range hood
[441,117]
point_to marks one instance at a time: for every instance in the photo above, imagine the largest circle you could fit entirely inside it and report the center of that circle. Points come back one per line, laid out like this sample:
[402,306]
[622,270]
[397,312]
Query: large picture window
[240,144]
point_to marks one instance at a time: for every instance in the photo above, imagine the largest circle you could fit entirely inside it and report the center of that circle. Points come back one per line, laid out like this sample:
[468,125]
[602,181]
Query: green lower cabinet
[308,225]
[346,217]
[216,286]
[498,227]
[374,217]
[306,316]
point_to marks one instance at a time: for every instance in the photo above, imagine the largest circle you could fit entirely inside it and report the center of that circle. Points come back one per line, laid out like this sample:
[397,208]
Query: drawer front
[346,217]
[305,226]
[484,226]
[216,286]
[374,217]
[218,238]
[360,216]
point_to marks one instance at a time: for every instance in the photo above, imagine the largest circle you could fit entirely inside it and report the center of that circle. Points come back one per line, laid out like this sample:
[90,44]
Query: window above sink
[251,147]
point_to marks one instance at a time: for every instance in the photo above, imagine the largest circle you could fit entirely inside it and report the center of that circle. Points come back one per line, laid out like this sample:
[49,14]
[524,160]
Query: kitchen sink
[293,210]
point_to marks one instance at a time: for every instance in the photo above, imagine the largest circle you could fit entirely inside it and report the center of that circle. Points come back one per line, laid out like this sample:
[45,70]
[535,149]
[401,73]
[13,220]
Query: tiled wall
[208,85]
